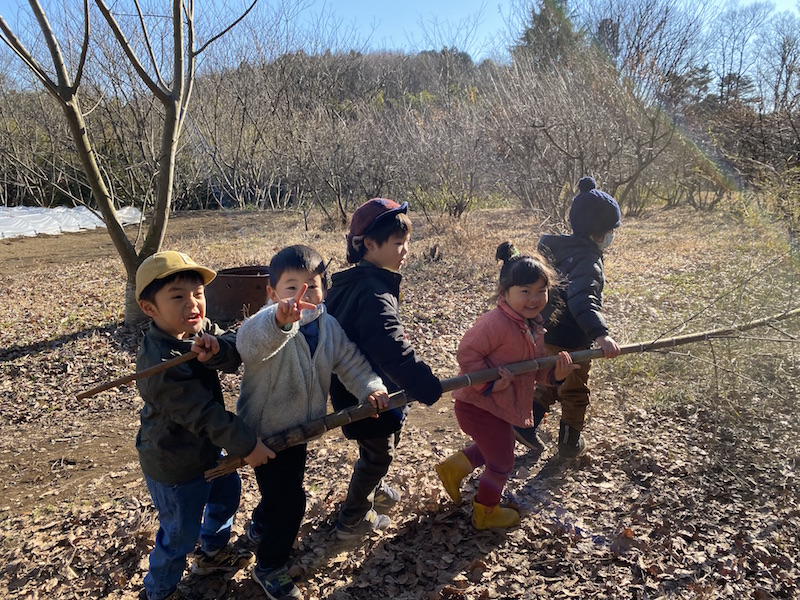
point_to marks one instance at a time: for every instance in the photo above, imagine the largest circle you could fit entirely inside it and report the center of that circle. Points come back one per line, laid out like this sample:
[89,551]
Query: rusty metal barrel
[236,293]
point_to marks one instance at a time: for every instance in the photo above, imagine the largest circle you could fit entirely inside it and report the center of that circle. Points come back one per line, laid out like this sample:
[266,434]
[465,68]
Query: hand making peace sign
[289,308]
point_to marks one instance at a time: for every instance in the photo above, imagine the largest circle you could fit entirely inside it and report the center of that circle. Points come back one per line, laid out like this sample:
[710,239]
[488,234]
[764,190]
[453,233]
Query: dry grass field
[689,489]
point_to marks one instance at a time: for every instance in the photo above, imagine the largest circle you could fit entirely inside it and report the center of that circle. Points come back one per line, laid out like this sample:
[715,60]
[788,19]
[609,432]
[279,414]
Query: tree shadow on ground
[423,556]
[125,337]
[14,351]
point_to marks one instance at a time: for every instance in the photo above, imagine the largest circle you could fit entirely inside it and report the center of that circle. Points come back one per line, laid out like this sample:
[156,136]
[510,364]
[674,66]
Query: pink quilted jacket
[500,337]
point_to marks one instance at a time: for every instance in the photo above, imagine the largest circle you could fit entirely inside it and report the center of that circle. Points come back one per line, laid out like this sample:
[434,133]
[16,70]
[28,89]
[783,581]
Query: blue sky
[472,25]
[395,22]
[385,24]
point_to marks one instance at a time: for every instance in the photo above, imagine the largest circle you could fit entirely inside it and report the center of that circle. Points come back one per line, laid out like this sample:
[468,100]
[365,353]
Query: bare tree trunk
[127,252]
[64,91]
[175,100]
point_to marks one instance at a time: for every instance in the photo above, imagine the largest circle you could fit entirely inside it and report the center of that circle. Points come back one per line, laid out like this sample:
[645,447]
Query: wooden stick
[307,431]
[167,364]
[302,433]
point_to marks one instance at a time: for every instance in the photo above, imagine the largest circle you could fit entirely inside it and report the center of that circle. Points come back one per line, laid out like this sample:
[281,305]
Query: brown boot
[451,471]
[485,517]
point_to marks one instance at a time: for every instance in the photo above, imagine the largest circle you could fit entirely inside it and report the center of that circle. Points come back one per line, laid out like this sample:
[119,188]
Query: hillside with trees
[665,102]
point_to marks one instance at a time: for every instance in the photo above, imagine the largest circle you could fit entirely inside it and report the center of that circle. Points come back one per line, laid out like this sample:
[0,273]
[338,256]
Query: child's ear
[272,295]
[370,244]
[148,308]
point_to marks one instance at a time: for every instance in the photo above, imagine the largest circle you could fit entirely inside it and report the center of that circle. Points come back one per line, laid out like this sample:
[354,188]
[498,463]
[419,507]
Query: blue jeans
[186,512]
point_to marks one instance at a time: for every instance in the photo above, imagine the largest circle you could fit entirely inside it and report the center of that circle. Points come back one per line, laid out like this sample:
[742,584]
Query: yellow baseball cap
[164,264]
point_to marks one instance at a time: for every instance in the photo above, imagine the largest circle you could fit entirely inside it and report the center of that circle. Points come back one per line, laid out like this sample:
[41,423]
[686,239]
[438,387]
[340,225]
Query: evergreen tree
[550,38]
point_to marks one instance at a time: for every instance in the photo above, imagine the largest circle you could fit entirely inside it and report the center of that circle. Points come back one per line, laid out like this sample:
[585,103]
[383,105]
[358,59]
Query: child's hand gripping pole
[303,433]
[204,347]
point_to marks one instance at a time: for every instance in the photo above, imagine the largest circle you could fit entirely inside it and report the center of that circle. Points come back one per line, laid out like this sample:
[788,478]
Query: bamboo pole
[307,431]
[155,369]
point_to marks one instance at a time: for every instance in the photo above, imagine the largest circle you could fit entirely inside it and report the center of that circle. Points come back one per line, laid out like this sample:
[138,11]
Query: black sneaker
[276,583]
[227,560]
[372,521]
[528,437]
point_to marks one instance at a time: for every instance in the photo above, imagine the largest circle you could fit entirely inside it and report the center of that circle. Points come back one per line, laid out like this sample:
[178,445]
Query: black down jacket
[364,299]
[578,303]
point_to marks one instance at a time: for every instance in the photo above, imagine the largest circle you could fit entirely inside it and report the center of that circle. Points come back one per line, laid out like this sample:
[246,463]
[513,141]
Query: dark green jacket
[184,422]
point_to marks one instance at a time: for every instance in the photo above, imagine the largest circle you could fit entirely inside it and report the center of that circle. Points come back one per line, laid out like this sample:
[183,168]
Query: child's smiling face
[179,307]
[292,280]
[527,300]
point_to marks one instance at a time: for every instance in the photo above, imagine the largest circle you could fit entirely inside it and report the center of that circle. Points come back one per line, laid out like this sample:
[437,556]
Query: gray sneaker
[385,497]
[276,583]
[372,521]
[226,561]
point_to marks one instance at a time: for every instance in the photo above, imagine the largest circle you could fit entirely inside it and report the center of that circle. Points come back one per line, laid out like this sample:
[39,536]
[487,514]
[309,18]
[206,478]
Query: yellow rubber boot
[451,471]
[486,517]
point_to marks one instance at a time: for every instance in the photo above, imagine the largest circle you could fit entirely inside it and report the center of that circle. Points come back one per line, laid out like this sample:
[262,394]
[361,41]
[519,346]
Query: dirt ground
[109,442]
[689,489]
[46,251]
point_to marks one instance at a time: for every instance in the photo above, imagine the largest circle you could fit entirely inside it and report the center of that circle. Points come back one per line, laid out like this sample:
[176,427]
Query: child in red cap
[365,301]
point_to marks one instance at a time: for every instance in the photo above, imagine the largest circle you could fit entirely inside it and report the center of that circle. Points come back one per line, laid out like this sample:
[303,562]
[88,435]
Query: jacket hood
[366,270]
[569,244]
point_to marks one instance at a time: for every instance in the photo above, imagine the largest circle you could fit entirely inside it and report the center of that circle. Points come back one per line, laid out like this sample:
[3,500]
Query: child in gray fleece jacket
[289,350]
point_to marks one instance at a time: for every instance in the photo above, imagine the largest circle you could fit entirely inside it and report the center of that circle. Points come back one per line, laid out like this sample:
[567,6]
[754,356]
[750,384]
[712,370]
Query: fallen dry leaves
[689,489]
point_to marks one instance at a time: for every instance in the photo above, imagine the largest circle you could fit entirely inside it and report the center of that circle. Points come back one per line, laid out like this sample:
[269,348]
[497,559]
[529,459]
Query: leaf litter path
[682,495]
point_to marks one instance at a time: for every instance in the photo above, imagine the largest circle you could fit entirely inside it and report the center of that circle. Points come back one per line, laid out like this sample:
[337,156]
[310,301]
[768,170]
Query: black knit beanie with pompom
[593,212]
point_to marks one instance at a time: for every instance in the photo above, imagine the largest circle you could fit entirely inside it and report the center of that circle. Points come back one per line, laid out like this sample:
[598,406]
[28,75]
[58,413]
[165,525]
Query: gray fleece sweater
[283,385]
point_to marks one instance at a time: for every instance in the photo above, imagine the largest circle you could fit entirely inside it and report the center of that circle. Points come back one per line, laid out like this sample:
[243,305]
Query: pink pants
[493,447]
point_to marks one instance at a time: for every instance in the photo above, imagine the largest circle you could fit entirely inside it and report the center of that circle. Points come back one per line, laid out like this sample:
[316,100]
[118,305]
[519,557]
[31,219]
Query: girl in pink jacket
[511,332]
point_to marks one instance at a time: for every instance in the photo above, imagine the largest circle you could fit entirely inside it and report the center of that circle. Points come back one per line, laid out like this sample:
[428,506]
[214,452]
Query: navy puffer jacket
[580,262]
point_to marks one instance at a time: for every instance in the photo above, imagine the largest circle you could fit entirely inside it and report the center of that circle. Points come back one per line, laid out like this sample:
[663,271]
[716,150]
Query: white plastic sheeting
[31,221]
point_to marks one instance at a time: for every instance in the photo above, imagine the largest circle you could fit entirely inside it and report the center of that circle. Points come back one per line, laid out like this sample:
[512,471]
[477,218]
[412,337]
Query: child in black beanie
[578,258]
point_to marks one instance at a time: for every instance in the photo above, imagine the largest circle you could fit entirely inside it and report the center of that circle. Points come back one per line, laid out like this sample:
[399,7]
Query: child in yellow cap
[184,426]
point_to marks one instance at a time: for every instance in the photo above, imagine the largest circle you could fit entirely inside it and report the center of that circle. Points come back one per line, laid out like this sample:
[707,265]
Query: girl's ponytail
[506,251]
[523,269]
